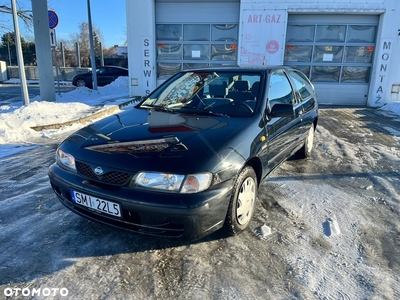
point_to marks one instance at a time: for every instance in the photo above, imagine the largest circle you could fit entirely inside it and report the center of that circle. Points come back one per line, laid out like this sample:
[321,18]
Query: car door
[306,94]
[281,131]
[104,76]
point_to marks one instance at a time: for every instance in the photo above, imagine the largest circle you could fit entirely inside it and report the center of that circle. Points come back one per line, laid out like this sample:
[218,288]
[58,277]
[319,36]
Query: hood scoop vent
[144,146]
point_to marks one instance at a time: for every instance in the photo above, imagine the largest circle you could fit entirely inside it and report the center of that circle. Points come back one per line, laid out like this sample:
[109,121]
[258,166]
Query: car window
[208,92]
[301,84]
[101,70]
[280,90]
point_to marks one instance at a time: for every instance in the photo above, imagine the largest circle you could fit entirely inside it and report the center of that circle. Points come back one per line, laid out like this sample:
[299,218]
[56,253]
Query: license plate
[96,204]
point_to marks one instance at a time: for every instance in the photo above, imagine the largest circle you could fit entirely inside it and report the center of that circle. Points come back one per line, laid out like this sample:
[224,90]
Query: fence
[31,72]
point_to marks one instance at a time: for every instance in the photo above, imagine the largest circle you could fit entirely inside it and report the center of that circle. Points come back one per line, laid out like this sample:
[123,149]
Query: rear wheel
[80,82]
[305,151]
[242,202]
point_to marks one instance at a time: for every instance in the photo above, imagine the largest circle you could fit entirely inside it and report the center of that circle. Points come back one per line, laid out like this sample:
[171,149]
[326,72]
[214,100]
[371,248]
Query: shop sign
[381,78]
[147,64]
[262,37]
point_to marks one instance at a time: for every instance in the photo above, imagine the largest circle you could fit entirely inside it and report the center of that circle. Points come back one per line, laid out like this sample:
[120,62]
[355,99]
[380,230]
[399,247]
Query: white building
[350,49]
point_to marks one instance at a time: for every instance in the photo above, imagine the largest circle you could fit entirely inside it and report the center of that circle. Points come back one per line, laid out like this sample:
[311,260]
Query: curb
[86,119]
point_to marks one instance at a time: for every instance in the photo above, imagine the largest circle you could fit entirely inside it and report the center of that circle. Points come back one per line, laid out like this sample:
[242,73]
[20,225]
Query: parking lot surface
[334,222]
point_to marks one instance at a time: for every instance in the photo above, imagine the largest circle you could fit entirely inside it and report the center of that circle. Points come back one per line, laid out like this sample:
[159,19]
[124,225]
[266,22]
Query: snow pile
[16,120]
[109,93]
[15,127]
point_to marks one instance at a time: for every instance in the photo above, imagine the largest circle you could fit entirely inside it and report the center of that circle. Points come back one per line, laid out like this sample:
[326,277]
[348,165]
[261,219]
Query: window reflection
[361,34]
[325,73]
[359,54]
[196,32]
[197,52]
[194,65]
[328,54]
[304,69]
[300,33]
[356,74]
[169,32]
[224,51]
[298,53]
[224,32]
[280,90]
[169,51]
[331,33]
[195,45]
[165,70]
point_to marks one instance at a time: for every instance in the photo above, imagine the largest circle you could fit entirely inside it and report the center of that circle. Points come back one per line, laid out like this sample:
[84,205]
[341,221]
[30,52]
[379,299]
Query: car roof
[240,69]
[116,67]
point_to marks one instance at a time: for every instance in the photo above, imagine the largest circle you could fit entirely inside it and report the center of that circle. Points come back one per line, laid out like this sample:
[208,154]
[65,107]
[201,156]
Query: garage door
[194,35]
[336,52]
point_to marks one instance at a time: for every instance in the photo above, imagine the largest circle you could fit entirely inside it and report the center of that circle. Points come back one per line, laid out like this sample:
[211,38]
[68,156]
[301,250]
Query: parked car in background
[188,159]
[105,75]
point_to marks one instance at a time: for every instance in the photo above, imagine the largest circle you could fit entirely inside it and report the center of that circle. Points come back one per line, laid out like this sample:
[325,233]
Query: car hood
[139,139]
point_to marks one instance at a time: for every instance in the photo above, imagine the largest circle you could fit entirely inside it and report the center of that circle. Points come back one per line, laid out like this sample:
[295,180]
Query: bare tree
[24,14]
[84,45]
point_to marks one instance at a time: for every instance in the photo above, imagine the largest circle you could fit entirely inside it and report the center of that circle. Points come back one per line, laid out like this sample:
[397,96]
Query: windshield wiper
[161,108]
[204,111]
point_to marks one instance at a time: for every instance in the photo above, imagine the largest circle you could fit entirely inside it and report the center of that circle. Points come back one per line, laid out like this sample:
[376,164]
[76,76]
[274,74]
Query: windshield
[232,94]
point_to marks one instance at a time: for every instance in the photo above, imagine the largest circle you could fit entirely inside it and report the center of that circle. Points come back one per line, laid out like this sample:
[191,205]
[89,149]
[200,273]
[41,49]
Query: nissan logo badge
[98,171]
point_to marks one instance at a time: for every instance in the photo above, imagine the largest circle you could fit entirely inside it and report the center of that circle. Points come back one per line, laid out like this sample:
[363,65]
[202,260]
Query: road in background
[10,93]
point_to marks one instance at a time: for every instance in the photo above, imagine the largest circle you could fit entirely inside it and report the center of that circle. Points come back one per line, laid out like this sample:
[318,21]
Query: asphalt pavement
[47,251]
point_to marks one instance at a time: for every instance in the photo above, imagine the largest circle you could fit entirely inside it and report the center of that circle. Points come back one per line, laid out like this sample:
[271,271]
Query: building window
[331,53]
[187,46]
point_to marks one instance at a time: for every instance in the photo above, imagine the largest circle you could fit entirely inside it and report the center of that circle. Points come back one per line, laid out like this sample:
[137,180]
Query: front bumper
[177,216]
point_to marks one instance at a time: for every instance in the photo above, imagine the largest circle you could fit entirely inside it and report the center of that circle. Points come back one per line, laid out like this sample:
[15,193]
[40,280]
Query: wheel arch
[256,164]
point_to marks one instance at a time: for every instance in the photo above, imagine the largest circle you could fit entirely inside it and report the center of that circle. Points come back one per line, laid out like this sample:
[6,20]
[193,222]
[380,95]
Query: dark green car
[188,159]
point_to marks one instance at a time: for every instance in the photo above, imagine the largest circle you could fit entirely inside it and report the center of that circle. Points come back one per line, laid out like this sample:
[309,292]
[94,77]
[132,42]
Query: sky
[111,20]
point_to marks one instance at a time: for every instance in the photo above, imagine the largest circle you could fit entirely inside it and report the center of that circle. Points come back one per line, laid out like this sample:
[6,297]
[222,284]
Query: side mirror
[282,110]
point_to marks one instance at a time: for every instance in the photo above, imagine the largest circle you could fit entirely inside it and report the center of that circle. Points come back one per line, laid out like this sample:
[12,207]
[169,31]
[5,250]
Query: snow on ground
[17,119]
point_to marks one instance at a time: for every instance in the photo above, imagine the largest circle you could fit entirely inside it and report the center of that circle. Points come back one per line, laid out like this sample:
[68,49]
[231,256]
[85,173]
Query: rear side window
[280,90]
[301,84]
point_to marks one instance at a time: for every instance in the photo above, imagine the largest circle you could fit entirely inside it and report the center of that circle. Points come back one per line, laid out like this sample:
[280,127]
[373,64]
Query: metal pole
[56,66]
[92,55]
[20,58]
[78,55]
[101,55]
[62,54]
[9,54]
[43,50]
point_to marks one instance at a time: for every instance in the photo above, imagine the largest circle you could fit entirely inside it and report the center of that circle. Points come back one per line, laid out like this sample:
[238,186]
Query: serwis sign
[147,83]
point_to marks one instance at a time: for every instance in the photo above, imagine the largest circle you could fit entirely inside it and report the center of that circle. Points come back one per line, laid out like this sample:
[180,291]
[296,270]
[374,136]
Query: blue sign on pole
[53,19]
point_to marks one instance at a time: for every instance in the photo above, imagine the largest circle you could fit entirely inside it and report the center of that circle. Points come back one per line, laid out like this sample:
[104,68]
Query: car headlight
[192,183]
[65,160]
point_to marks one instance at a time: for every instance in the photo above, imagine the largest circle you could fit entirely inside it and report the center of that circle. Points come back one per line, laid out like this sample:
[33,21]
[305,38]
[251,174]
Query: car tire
[305,151]
[242,202]
[80,82]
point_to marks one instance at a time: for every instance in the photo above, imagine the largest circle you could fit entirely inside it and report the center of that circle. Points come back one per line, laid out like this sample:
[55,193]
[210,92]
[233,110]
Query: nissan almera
[189,158]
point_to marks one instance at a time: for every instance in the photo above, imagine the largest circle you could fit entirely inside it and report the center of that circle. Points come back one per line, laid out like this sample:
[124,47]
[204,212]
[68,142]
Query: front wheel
[80,82]
[242,202]
[305,151]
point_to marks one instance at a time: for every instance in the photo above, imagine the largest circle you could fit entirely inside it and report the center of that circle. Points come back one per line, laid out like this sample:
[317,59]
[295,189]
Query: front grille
[110,177]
